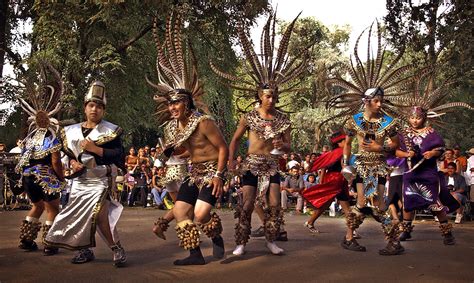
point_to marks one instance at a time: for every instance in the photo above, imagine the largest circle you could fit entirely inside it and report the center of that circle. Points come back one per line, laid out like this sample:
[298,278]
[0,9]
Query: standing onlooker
[293,162]
[141,181]
[146,150]
[461,161]
[307,163]
[470,173]
[143,158]
[282,161]
[457,187]
[152,156]
[325,149]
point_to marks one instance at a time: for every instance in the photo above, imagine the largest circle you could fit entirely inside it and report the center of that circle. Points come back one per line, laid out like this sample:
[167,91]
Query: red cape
[327,159]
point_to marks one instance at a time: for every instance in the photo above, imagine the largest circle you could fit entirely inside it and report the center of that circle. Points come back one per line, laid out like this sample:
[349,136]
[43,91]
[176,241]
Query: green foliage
[439,33]
[326,55]
[111,41]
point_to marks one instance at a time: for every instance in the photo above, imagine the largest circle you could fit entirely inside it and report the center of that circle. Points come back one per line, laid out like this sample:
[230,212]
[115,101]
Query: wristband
[219,175]
[345,159]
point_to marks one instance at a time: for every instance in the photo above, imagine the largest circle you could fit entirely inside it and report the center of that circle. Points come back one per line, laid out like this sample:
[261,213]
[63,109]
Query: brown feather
[284,43]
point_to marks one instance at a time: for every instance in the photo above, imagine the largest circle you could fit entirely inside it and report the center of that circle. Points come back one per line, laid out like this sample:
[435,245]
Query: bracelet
[220,175]
[345,159]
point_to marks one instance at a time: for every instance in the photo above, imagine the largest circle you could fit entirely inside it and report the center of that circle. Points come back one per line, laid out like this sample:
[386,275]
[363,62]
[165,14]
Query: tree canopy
[111,41]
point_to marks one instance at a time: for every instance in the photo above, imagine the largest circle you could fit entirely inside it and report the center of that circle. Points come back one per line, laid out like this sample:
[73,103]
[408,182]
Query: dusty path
[309,258]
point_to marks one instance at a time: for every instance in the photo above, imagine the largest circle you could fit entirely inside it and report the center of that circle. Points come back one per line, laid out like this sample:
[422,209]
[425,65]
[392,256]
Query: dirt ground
[308,258]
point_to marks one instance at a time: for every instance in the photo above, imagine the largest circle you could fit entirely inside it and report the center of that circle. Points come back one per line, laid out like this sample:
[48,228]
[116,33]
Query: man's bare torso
[258,145]
[200,147]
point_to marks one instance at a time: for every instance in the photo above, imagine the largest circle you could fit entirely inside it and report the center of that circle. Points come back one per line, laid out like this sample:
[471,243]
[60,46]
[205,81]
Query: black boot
[218,247]
[392,248]
[406,227]
[282,236]
[448,238]
[195,258]
[352,245]
[28,245]
[404,236]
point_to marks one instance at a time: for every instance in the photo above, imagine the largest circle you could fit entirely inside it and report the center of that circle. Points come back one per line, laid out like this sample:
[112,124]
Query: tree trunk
[3,33]
[432,26]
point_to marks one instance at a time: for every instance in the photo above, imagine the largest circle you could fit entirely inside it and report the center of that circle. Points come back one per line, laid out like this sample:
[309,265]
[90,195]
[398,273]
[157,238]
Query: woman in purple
[424,187]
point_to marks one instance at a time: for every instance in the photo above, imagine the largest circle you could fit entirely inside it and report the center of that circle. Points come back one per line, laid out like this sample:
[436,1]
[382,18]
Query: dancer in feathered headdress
[423,186]
[40,162]
[362,98]
[268,128]
[180,90]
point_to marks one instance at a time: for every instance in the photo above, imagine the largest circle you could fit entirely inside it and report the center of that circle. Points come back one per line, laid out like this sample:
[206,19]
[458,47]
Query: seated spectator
[157,189]
[129,184]
[448,157]
[457,186]
[143,158]
[292,185]
[141,182]
[312,180]
[131,159]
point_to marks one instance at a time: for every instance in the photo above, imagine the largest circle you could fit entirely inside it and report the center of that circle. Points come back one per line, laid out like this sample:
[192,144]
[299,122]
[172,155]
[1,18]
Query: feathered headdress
[426,101]
[270,71]
[43,102]
[177,69]
[375,77]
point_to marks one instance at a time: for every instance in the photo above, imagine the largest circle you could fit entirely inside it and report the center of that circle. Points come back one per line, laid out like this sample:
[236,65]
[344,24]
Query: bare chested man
[199,135]
[178,93]
[267,129]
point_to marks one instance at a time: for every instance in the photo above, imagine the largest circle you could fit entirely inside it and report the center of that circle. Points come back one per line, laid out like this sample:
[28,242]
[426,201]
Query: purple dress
[425,187]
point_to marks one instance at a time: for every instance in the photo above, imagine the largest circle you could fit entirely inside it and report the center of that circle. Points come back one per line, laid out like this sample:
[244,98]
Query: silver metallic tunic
[75,226]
